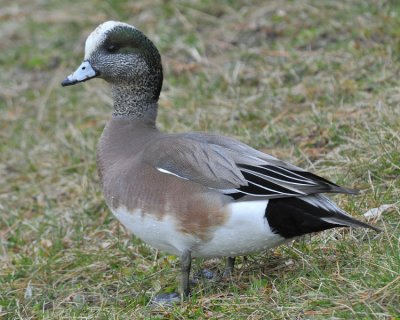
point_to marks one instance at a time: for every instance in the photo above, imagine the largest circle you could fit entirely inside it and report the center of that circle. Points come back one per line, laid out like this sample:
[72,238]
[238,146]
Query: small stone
[166,298]
[28,291]
[207,274]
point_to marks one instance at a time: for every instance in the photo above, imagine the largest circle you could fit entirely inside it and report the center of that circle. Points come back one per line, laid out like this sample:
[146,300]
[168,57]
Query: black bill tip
[67,82]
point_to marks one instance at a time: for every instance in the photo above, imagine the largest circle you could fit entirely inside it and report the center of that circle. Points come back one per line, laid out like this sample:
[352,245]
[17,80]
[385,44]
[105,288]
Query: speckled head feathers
[123,56]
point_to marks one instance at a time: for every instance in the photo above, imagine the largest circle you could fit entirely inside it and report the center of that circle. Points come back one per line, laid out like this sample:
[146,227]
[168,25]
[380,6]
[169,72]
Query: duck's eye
[112,48]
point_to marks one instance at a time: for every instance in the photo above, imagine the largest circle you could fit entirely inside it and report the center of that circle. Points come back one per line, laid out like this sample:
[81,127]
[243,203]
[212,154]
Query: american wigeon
[192,194]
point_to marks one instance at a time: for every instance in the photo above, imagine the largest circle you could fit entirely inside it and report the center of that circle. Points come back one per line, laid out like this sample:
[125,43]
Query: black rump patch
[292,217]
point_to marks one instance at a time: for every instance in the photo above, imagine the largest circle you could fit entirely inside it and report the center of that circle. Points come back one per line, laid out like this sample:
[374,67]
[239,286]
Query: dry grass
[311,82]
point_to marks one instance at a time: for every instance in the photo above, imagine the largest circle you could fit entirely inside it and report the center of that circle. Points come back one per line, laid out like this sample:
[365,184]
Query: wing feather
[233,168]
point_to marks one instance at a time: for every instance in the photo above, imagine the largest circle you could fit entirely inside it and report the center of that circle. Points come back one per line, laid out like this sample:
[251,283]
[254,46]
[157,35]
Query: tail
[331,187]
[296,216]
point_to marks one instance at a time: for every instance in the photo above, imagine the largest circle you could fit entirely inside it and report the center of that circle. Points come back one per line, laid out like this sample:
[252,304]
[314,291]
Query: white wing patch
[171,173]
[99,34]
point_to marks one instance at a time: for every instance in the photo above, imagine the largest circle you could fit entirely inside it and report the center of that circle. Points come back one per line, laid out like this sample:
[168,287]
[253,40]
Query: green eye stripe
[129,40]
[125,48]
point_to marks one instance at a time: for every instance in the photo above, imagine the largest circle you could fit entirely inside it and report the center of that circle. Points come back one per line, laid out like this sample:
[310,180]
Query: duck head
[123,56]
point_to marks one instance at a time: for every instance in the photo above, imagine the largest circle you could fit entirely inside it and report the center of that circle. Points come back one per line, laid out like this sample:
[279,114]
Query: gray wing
[233,168]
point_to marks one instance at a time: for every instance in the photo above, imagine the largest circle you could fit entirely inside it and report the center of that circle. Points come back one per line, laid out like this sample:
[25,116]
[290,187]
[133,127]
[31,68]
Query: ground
[312,82]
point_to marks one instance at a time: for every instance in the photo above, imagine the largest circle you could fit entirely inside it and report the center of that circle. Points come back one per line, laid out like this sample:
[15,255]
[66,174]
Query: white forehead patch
[99,35]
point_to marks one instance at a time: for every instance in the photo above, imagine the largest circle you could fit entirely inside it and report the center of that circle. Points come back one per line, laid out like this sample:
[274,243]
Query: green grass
[312,82]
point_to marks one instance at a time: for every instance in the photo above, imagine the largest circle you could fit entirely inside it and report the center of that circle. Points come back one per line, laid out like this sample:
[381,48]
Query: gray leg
[171,298]
[186,262]
[230,264]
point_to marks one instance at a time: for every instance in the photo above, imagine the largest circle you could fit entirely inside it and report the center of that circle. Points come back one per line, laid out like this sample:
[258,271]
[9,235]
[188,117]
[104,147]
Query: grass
[312,82]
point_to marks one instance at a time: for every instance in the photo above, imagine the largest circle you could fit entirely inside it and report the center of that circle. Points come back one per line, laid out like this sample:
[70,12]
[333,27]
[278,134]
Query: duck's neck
[133,102]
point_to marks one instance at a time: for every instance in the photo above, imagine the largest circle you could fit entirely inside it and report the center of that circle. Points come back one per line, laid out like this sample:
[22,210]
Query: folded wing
[233,168]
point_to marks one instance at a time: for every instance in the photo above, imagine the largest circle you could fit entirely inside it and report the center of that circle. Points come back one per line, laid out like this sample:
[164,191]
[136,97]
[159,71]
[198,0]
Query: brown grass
[311,82]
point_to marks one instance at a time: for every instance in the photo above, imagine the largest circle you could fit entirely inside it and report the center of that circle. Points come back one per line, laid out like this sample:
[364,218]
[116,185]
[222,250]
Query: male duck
[192,194]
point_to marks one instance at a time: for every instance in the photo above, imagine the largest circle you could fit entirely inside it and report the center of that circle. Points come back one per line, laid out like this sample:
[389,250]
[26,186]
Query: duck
[193,195]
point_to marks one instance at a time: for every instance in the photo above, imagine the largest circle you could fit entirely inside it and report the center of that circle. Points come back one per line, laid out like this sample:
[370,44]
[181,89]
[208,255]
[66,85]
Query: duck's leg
[171,298]
[186,262]
[230,264]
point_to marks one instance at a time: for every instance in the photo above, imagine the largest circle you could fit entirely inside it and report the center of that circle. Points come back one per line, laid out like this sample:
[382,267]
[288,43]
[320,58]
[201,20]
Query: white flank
[159,233]
[97,37]
[246,231]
